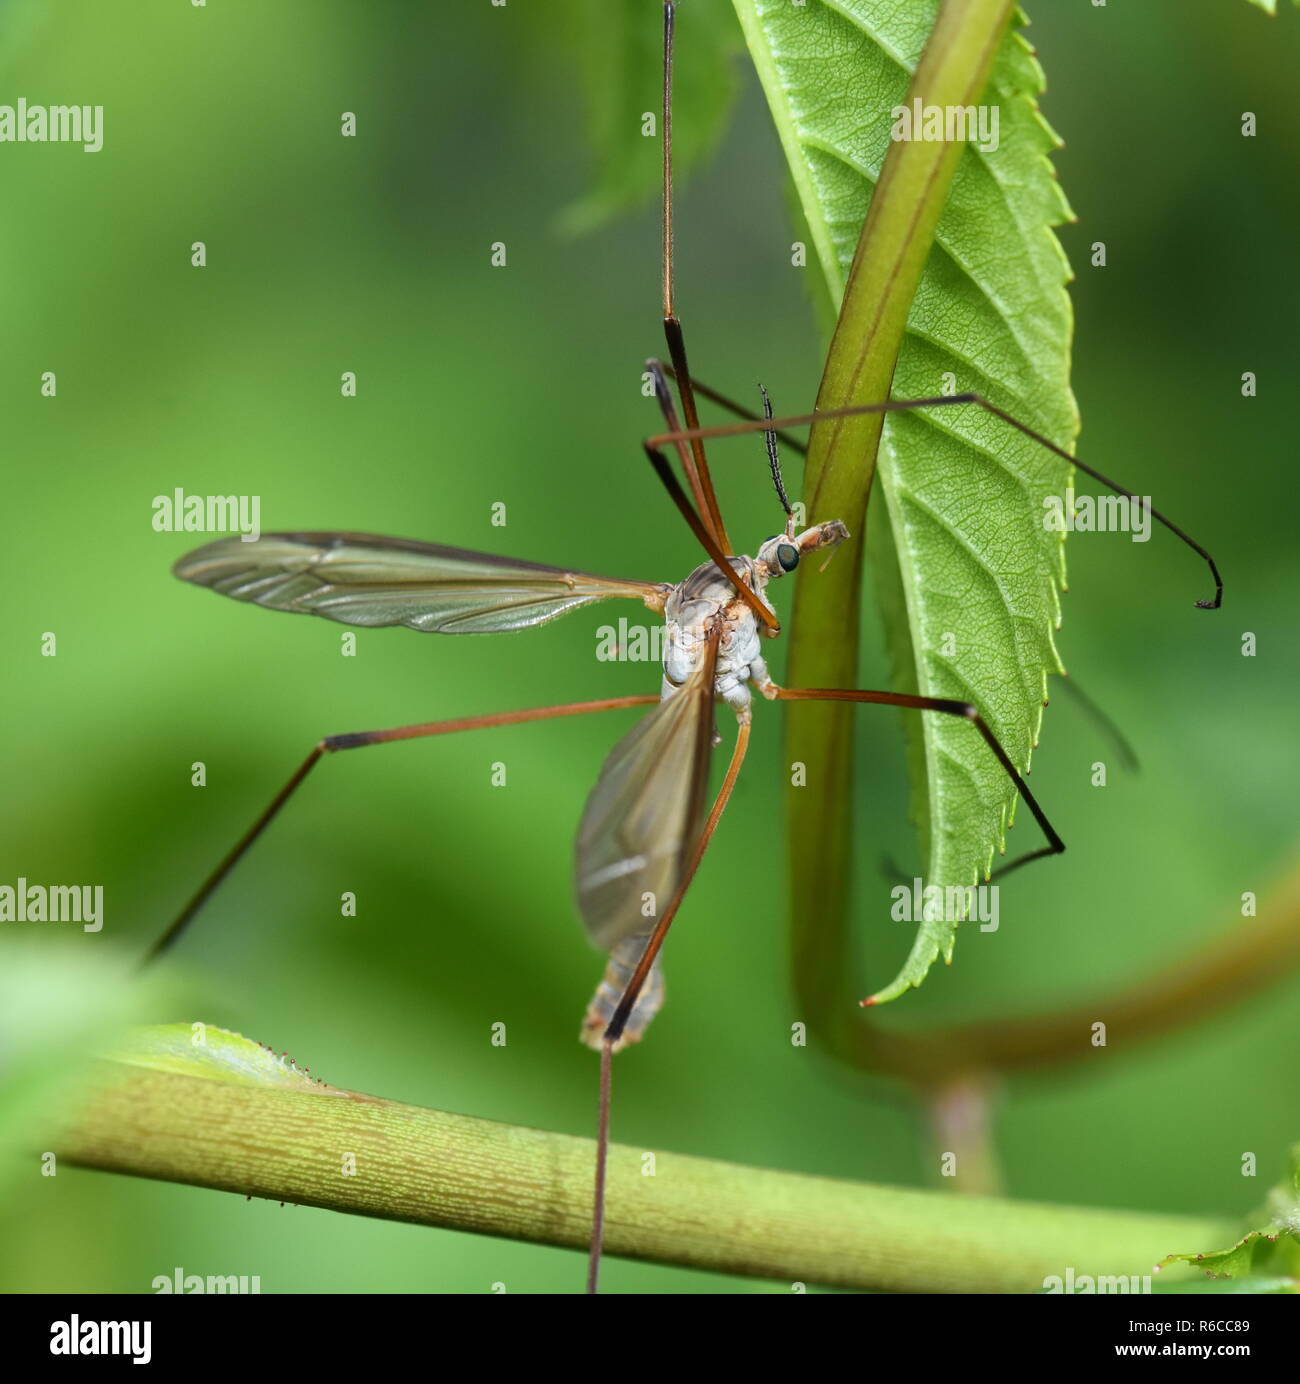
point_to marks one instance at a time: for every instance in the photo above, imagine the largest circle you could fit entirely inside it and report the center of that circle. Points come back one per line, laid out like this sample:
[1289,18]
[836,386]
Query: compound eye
[788,556]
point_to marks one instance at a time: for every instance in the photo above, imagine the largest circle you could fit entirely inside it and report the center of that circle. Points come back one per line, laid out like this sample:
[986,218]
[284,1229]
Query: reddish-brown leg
[968,712]
[354,741]
[620,1017]
[941,401]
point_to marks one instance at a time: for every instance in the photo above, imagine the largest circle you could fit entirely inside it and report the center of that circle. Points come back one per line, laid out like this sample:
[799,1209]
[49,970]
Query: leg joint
[349,741]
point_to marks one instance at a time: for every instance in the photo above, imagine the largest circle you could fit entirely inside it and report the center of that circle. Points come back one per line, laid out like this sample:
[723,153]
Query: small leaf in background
[617,47]
[977,574]
[58,1005]
[196,1049]
[1264,1260]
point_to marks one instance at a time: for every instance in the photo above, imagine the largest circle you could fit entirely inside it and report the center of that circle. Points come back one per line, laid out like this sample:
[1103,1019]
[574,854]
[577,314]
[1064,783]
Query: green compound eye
[788,556]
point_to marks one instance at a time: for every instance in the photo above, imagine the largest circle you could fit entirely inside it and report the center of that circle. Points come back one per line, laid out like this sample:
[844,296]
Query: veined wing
[644,817]
[362,579]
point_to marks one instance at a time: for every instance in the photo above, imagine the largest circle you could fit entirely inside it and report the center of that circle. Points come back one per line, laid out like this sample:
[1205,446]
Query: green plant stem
[824,644]
[960,1118]
[432,1168]
[824,648]
[1227,970]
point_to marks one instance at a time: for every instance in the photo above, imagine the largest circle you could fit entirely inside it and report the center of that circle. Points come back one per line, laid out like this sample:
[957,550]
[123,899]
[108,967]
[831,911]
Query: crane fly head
[781,553]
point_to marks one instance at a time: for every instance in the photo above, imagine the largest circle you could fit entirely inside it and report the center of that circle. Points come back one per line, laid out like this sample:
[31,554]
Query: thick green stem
[824,646]
[891,255]
[433,1168]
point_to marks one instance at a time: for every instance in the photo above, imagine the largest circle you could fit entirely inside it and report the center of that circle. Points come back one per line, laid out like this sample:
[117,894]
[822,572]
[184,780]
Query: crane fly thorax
[706,601]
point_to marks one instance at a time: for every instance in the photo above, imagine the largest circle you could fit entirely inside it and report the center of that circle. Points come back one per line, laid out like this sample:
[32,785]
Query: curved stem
[1221,973]
[891,255]
[1224,972]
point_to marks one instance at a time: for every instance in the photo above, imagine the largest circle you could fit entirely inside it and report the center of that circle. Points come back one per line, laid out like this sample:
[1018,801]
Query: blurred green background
[522,385]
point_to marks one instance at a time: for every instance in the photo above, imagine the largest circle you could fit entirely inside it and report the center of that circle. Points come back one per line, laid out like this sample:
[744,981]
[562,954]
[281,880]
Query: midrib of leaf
[963,492]
[993,533]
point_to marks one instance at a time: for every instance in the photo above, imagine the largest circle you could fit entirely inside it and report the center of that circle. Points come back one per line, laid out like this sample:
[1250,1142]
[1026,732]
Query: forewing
[645,814]
[361,579]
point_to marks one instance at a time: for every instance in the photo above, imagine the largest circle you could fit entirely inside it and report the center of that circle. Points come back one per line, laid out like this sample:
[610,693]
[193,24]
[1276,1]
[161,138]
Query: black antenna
[773,456]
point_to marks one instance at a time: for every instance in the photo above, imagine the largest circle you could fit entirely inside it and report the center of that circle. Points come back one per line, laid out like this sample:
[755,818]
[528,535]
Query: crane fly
[647,820]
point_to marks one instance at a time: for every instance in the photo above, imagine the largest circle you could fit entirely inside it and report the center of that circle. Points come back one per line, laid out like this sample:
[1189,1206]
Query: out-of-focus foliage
[521,386]
[616,47]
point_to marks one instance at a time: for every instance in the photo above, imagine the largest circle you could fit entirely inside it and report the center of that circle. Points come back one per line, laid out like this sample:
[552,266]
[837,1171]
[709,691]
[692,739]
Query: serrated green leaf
[979,572]
[1248,1255]
[1255,1283]
[618,46]
[1267,1254]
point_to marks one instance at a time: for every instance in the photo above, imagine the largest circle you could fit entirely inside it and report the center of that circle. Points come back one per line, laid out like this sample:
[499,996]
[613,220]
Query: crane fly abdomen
[613,985]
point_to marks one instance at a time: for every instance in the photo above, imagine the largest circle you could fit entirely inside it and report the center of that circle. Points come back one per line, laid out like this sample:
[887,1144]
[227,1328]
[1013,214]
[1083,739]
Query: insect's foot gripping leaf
[610,991]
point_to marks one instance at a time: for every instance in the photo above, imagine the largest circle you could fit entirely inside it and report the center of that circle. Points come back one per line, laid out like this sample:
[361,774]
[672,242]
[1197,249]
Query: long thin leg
[939,401]
[707,541]
[602,1164]
[615,1030]
[664,398]
[658,373]
[1105,723]
[616,1024]
[354,741]
[951,708]
[697,467]
[724,401]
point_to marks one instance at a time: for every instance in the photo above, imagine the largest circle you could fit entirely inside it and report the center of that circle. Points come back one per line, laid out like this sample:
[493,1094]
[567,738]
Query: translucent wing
[361,579]
[645,814]
[641,825]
